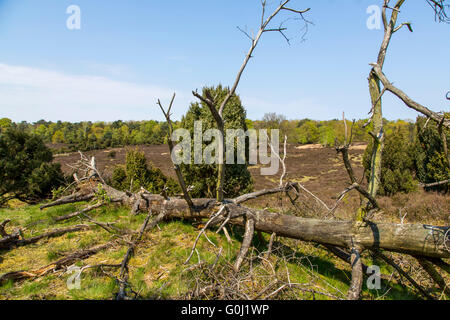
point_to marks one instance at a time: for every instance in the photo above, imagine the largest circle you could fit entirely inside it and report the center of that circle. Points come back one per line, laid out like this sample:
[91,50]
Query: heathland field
[157,269]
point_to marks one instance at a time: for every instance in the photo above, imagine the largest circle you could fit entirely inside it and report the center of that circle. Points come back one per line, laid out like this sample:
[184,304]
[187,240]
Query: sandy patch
[360,147]
[309,146]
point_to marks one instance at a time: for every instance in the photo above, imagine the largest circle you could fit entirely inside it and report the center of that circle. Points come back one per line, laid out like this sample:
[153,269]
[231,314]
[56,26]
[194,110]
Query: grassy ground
[157,268]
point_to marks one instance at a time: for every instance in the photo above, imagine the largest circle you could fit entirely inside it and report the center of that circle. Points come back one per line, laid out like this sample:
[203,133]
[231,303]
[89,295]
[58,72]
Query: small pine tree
[397,165]
[203,177]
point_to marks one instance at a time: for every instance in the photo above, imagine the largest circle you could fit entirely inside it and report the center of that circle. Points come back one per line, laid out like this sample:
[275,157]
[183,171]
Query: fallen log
[435,184]
[414,239]
[9,240]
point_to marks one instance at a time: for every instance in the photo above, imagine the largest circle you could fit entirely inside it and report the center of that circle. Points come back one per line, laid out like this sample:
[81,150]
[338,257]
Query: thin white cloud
[31,94]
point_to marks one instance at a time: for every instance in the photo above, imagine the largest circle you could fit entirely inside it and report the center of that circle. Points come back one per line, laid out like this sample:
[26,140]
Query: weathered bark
[78,213]
[422,240]
[435,184]
[354,293]
[3,232]
[9,240]
[248,237]
[343,255]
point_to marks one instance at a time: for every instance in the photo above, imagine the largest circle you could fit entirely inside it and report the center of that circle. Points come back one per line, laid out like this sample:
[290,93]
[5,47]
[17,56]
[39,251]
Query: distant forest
[87,135]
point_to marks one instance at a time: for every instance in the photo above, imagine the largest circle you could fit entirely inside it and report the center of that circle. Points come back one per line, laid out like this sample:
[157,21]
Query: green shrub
[203,177]
[137,173]
[397,165]
[43,180]
[26,171]
[429,158]
[119,178]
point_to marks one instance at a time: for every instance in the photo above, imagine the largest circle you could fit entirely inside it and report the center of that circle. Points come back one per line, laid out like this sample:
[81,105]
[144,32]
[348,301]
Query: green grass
[157,268]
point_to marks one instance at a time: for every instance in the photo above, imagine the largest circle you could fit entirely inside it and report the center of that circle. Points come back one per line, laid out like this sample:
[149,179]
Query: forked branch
[407,100]
[177,168]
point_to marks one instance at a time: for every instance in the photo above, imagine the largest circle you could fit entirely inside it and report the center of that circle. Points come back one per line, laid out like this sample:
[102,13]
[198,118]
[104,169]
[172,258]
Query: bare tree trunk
[354,293]
[421,240]
[377,113]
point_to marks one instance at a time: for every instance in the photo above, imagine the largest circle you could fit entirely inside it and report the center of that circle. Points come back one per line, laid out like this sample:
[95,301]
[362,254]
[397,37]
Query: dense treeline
[413,152]
[67,136]
[328,132]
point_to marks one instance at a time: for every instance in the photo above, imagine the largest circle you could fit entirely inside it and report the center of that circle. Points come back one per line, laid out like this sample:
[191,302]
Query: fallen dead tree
[422,240]
[429,243]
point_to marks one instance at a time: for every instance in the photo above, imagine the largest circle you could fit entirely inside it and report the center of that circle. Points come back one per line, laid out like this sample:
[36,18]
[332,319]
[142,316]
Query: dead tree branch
[354,293]
[248,237]
[74,198]
[403,273]
[407,100]
[15,241]
[58,265]
[123,277]
[177,168]
[440,10]
[437,278]
[217,110]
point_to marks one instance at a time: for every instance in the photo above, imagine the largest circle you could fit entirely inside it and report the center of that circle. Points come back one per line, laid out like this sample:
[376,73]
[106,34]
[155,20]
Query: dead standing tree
[378,79]
[425,242]
[210,101]
[378,86]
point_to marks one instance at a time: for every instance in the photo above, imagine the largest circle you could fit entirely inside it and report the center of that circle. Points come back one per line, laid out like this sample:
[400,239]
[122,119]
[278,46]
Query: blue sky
[130,53]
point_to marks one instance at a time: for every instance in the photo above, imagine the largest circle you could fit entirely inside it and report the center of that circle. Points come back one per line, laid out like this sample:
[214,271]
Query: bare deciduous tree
[210,101]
